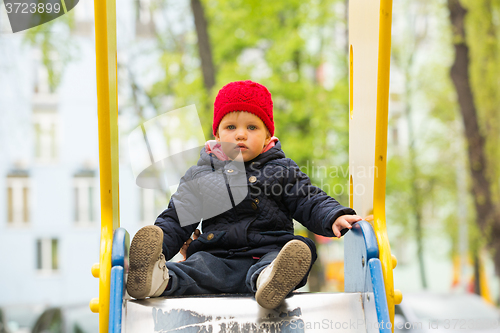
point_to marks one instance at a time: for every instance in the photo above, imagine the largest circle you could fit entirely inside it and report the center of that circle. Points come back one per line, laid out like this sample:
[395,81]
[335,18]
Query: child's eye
[231,127]
[252,127]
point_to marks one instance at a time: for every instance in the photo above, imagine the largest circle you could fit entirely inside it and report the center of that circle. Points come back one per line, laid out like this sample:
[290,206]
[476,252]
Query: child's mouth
[241,147]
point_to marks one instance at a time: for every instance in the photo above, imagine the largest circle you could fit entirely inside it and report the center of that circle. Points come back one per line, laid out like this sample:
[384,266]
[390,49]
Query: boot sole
[290,267]
[145,249]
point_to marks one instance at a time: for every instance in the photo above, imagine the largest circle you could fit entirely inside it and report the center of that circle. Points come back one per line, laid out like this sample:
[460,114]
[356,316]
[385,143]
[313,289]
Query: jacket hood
[272,154]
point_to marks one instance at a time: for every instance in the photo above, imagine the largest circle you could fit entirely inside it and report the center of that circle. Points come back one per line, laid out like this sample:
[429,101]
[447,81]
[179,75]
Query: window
[41,78]
[44,105]
[144,22]
[47,255]
[85,197]
[152,203]
[45,124]
[18,198]
[84,18]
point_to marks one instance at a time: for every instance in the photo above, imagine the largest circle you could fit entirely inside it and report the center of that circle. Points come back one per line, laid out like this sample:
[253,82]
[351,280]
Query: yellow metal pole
[384,63]
[369,71]
[107,110]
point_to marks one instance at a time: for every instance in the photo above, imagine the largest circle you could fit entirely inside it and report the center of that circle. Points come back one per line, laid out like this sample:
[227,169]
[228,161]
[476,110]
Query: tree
[297,49]
[406,62]
[287,46]
[481,166]
[204,47]
[425,145]
[56,52]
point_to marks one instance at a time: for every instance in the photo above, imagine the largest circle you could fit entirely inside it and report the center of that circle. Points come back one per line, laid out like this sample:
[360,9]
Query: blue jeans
[204,273]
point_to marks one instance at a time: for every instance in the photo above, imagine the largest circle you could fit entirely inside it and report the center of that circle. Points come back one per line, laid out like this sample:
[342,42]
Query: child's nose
[241,134]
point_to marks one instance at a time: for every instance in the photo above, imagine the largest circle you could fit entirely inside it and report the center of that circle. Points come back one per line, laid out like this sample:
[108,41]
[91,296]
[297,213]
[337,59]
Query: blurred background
[443,176]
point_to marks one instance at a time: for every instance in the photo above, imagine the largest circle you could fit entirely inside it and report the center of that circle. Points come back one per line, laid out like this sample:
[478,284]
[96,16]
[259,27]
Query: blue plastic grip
[378,286]
[115,300]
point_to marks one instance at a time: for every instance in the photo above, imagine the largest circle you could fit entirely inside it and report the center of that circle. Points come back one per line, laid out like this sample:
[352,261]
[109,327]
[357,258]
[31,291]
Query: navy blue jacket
[249,217]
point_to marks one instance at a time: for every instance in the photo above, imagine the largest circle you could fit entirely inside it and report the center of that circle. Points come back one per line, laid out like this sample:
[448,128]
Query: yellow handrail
[107,111]
[384,62]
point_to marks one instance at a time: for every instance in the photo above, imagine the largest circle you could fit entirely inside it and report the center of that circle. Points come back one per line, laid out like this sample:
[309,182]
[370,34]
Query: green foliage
[421,170]
[398,193]
[54,40]
[290,41]
[439,143]
[283,45]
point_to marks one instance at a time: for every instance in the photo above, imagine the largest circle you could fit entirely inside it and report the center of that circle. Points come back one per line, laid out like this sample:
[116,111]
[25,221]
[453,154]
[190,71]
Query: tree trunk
[346,31]
[487,216]
[204,47]
[477,276]
[416,197]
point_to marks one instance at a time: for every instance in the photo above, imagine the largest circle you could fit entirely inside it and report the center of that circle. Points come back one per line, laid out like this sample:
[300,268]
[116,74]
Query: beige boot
[283,274]
[147,275]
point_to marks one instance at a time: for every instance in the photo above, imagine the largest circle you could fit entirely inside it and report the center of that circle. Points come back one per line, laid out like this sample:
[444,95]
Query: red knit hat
[244,96]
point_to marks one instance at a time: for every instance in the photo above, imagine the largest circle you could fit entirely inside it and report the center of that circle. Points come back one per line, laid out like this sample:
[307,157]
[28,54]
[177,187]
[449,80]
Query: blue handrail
[119,266]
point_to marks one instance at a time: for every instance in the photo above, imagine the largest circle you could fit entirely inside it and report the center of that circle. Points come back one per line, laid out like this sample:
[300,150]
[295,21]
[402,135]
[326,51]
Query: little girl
[248,242]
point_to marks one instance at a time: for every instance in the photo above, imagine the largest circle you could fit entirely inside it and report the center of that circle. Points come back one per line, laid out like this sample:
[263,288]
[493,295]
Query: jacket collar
[272,154]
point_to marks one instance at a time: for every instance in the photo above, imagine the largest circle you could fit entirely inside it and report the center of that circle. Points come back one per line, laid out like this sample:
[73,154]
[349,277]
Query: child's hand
[184,247]
[343,222]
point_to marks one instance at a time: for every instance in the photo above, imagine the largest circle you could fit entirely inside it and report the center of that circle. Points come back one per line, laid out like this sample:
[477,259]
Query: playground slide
[364,309]
[319,312]
[368,303]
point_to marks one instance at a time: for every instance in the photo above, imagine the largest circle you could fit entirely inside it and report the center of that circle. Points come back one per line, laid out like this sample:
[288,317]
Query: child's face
[242,132]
